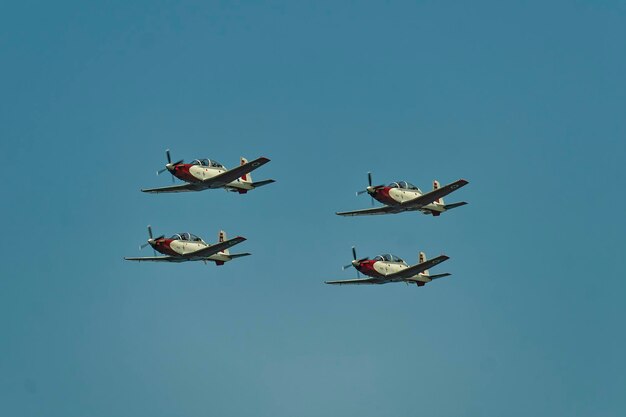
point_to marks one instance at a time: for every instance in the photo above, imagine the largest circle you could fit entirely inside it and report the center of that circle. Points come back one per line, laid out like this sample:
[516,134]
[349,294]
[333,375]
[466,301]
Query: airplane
[401,196]
[184,247]
[203,174]
[390,268]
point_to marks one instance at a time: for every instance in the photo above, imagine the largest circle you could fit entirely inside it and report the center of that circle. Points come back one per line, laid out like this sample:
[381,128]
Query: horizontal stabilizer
[238,255]
[262,183]
[439,276]
[454,205]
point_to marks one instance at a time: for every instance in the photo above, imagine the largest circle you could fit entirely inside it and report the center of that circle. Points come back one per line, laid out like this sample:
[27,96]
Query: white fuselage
[385,268]
[184,247]
[401,195]
[203,172]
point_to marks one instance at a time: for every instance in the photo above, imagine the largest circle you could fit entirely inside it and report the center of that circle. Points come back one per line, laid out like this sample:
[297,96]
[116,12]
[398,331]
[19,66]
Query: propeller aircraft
[401,196]
[388,268]
[184,247]
[203,174]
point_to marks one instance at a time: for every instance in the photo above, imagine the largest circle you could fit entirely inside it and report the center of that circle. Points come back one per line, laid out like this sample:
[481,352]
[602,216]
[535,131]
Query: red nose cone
[382,194]
[181,171]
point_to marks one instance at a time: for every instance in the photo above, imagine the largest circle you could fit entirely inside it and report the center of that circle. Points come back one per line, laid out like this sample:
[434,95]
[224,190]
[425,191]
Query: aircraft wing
[213,249]
[369,211]
[232,174]
[429,197]
[172,189]
[157,259]
[416,269]
[357,281]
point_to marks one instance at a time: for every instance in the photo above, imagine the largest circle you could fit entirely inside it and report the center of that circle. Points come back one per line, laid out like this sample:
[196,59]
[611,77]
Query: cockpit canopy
[207,163]
[387,257]
[186,236]
[404,185]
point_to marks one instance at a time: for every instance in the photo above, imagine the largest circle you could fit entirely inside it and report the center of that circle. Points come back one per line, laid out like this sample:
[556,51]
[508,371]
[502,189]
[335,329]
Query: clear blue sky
[526,100]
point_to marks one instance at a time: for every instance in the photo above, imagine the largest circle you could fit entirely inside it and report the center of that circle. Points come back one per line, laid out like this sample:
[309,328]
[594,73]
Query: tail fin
[436,186]
[221,238]
[246,177]
[423,259]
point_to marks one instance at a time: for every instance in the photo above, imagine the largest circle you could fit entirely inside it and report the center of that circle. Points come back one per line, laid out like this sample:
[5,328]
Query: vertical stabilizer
[422,259]
[222,237]
[436,186]
[246,177]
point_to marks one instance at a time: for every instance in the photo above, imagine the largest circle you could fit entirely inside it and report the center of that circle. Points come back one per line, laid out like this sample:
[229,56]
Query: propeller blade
[353,257]
[150,231]
[169,163]
[369,182]
[358,275]
[352,263]
[144,245]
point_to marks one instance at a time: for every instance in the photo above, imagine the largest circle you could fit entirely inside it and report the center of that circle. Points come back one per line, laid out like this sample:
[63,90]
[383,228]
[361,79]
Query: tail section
[246,177]
[436,186]
[423,259]
[427,273]
[222,238]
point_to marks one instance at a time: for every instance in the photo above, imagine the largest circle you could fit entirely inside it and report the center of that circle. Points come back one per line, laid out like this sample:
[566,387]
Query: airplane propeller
[151,240]
[370,189]
[369,182]
[354,262]
[169,164]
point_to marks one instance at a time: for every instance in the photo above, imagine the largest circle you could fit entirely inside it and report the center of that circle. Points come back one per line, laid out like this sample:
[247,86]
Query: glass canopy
[404,185]
[186,236]
[207,163]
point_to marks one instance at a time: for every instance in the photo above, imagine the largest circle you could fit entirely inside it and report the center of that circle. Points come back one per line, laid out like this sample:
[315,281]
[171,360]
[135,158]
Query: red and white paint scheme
[388,268]
[184,247]
[401,196]
[204,174]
